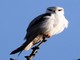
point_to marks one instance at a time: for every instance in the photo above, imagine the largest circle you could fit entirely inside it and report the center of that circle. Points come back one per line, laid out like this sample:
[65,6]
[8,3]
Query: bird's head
[55,10]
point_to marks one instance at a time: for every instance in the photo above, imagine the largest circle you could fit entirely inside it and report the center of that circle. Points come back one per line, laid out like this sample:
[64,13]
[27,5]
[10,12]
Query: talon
[44,40]
[36,47]
[48,35]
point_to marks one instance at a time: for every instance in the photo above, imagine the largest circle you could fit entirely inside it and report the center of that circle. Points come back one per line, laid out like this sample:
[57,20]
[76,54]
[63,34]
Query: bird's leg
[35,49]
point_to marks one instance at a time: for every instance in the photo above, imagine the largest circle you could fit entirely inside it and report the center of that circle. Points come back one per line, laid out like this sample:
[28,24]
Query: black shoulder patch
[40,19]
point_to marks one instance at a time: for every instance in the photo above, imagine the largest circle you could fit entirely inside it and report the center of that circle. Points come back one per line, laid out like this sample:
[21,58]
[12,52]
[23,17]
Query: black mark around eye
[60,10]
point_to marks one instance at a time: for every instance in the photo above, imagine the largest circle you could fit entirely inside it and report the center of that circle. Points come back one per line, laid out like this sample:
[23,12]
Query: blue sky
[15,15]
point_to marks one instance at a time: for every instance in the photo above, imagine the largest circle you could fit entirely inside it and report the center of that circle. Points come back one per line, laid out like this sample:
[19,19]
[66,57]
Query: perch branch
[35,50]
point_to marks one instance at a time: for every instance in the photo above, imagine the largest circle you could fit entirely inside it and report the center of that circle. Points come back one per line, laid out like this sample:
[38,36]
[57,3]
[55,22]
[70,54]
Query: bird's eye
[60,10]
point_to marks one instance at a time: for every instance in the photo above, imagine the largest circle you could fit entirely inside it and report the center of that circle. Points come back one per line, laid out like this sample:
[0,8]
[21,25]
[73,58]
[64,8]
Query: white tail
[28,46]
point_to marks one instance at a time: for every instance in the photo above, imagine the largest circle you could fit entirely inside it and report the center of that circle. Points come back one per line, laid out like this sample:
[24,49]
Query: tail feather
[28,44]
[20,49]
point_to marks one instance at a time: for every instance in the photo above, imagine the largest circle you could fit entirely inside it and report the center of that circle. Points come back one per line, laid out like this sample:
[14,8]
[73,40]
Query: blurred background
[15,16]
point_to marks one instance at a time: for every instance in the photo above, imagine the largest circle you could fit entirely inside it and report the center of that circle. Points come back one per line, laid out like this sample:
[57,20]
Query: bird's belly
[52,27]
[58,29]
[47,28]
[55,30]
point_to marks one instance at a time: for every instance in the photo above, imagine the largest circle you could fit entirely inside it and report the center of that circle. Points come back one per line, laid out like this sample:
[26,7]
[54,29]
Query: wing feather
[34,26]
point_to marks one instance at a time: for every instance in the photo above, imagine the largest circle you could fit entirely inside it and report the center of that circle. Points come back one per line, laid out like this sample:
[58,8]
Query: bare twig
[35,50]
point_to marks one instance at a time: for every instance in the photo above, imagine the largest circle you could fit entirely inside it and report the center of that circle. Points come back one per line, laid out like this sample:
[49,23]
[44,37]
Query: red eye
[60,10]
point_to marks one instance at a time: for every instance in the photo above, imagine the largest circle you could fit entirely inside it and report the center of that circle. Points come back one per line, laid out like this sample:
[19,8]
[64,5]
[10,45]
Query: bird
[46,25]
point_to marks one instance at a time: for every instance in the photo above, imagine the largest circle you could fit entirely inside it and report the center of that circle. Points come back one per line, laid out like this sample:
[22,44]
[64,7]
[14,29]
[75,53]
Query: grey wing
[35,21]
[34,28]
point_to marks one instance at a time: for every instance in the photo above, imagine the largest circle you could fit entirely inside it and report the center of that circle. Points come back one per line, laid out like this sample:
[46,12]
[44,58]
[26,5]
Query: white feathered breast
[55,24]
